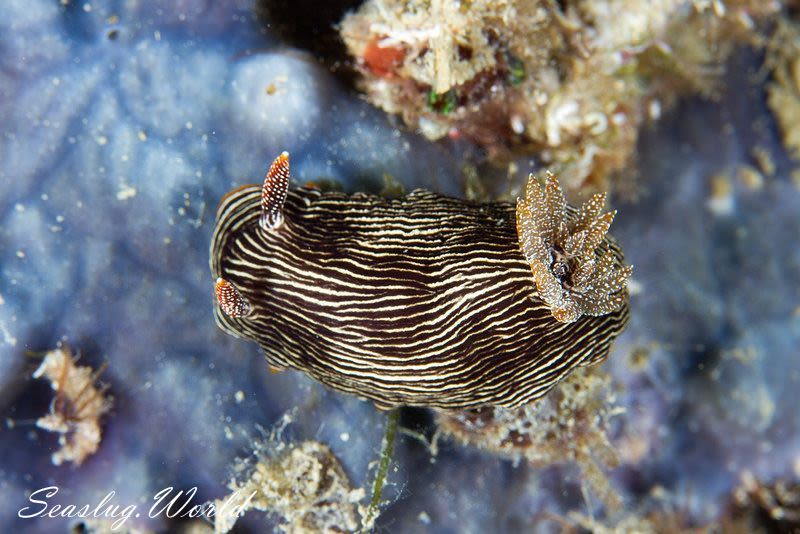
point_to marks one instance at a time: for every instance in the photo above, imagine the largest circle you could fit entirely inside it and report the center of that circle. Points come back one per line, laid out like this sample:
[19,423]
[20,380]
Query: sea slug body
[423,300]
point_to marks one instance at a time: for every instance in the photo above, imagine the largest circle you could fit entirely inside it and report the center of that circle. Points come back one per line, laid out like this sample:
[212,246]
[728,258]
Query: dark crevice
[313,26]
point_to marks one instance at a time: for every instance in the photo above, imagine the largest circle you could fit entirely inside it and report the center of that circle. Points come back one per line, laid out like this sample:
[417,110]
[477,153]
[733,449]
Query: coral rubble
[754,507]
[570,81]
[304,485]
[76,409]
[568,425]
[783,91]
[764,507]
[658,522]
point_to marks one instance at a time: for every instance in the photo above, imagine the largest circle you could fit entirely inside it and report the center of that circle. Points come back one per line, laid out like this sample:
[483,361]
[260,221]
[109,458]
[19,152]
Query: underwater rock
[571,83]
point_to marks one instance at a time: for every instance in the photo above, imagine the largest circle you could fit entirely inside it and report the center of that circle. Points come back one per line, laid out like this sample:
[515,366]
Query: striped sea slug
[423,300]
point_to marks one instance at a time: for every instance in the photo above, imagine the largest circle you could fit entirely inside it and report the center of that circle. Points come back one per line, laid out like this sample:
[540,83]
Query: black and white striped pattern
[424,300]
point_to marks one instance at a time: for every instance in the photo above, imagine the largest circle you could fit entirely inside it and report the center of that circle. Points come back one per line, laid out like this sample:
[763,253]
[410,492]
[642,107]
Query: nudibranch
[422,300]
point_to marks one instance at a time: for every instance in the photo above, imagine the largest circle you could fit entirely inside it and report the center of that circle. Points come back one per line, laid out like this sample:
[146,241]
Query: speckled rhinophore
[423,300]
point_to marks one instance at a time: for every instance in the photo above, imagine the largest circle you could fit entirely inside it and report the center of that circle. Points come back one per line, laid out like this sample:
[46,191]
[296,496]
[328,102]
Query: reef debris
[571,82]
[77,407]
[757,506]
[783,91]
[568,425]
[303,484]
[657,522]
[754,507]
